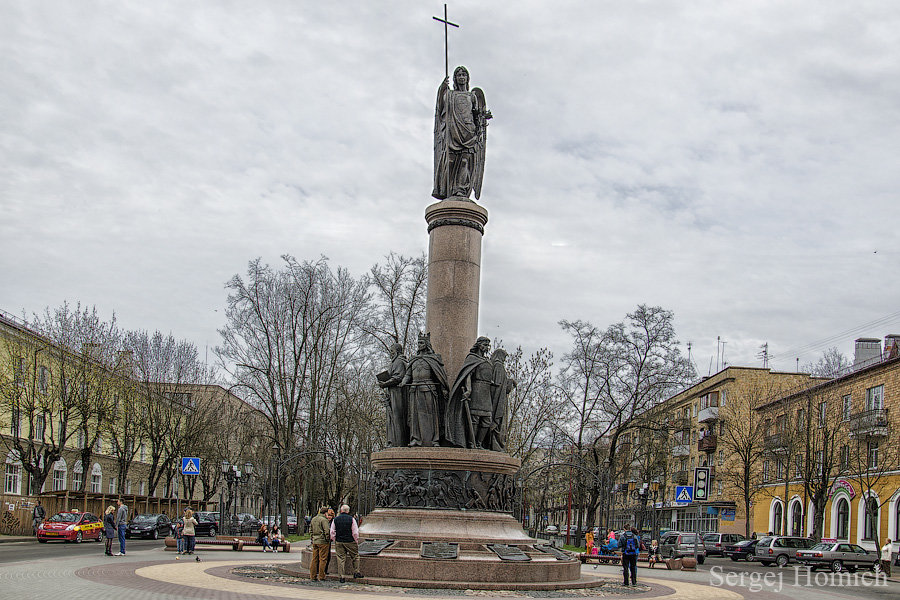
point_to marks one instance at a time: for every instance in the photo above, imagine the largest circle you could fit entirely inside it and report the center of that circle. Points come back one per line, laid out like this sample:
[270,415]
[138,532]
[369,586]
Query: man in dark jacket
[631,547]
[37,517]
[345,533]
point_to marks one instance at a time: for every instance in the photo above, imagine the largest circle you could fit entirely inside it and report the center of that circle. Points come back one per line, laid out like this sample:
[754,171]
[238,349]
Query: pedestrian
[37,517]
[330,516]
[190,531]
[262,536]
[345,532]
[631,547]
[319,535]
[886,557]
[653,555]
[121,524]
[179,535]
[276,537]
[109,528]
[589,541]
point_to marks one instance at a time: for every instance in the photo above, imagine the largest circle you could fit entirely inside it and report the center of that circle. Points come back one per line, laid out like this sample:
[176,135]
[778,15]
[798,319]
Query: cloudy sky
[737,163]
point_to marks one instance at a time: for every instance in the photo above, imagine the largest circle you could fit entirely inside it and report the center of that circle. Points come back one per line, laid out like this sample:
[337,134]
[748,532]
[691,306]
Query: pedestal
[463,498]
[455,228]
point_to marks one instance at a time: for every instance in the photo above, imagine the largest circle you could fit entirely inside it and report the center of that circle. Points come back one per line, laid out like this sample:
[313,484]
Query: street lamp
[233,477]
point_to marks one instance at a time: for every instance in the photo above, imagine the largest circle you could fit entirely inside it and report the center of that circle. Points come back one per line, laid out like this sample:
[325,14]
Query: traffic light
[701,484]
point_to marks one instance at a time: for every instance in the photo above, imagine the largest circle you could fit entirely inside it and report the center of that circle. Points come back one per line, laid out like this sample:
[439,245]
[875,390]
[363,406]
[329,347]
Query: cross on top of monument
[446,22]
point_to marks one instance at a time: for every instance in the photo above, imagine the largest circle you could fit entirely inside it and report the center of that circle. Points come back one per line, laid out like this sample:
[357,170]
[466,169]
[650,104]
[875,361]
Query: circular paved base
[296,570]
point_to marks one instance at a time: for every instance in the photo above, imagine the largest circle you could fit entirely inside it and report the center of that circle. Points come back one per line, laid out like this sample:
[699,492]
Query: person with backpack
[631,547]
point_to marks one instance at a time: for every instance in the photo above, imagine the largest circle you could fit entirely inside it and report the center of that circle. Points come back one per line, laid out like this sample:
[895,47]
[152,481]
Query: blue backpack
[631,544]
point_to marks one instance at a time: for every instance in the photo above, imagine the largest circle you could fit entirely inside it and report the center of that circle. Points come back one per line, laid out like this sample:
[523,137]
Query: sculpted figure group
[423,410]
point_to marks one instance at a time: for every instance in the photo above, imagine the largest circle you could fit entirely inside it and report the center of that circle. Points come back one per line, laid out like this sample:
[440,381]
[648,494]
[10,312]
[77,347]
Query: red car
[71,527]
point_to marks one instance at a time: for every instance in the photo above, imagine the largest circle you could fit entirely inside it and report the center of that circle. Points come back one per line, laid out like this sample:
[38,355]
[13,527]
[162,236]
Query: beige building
[842,434]
[702,426]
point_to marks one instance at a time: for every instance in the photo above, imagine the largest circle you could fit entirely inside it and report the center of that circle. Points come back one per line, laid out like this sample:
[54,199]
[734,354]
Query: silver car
[838,556]
[676,545]
[780,549]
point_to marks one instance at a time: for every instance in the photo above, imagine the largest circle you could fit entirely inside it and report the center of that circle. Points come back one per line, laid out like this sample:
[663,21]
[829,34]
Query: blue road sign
[190,465]
[684,493]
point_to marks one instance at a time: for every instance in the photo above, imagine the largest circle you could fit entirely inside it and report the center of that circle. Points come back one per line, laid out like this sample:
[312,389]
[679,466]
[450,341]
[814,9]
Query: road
[30,551]
[753,580]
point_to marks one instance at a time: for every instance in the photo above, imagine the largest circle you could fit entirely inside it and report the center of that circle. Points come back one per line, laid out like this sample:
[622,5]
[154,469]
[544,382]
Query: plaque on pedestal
[508,552]
[440,550]
[547,549]
[373,547]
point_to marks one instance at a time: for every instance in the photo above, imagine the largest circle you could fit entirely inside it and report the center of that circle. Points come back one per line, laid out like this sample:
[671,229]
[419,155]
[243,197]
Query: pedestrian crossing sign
[190,465]
[684,493]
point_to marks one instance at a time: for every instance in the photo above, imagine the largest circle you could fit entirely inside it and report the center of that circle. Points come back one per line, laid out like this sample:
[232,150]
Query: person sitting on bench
[653,555]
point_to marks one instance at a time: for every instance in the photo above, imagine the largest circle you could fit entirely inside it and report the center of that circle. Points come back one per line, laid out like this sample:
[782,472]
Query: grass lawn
[296,538]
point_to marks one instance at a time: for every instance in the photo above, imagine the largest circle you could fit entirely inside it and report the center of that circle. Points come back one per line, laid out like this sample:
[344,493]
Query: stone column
[455,228]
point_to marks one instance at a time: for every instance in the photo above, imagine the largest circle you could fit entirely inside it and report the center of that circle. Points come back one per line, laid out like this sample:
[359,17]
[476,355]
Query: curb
[6,539]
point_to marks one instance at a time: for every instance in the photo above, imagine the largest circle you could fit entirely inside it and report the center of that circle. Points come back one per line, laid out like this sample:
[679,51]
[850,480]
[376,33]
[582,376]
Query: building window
[39,427]
[801,419]
[897,523]
[765,473]
[870,528]
[820,463]
[796,519]
[44,380]
[721,427]
[142,487]
[843,519]
[98,445]
[13,479]
[777,518]
[113,489]
[14,421]
[722,402]
[127,486]
[873,455]
[823,408]
[846,407]
[845,458]
[81,438]
[59,479]
[77,476]
[779,469]
[721,487]
[95,484]
[798,466]
[875,398]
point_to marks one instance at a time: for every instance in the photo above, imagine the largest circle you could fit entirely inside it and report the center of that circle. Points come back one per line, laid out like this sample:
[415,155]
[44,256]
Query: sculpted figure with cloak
[460,138]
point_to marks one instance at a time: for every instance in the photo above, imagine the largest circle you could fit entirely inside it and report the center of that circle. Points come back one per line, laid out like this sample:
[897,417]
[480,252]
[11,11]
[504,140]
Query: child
[179,535]
[653,553]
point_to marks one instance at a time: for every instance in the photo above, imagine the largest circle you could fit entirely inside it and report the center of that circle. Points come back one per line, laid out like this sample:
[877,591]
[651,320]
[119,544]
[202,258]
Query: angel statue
[460,137]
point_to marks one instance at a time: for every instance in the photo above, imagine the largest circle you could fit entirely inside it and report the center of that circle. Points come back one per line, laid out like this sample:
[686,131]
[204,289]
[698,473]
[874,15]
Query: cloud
[733,163]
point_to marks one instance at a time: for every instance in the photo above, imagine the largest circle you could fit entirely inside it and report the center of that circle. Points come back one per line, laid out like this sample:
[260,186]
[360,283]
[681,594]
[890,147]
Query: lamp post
[646,492]
[233,477]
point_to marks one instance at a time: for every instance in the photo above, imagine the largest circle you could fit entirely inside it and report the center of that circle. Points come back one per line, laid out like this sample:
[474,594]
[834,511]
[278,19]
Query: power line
[827,341]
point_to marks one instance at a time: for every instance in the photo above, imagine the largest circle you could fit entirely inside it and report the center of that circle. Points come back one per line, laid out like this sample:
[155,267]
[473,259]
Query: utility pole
[764,355]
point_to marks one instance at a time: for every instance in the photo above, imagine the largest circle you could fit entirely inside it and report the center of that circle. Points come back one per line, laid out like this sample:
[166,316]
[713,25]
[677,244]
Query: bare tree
[831,364]
[399,298]
[289,336]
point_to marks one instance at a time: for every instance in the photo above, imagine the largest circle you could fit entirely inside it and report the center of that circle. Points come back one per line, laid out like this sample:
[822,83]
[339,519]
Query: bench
[222,542]
[612,559]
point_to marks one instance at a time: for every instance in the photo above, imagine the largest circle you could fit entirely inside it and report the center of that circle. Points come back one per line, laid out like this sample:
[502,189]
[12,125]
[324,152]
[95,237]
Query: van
[715,542]
[675,544]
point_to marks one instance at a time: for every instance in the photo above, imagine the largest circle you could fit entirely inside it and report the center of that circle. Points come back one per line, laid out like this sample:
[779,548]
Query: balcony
[869,424]
[708,414]
[777,442]
[707,444]
[681,450]
[680,478]
[681,423]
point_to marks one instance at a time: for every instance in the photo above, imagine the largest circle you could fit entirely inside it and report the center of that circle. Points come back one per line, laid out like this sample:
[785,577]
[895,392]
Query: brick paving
[155,575]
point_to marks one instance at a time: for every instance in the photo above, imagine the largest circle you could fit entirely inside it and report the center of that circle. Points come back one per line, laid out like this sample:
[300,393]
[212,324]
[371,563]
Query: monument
[445,488]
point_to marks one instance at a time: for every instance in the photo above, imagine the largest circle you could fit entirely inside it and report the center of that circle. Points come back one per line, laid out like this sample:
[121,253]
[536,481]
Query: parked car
[780,549]
[248,520]
[207,523]
[742,549]
[838,556]
[715,542]
[552,530]
[676,545]
[72,526]
[153,526]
